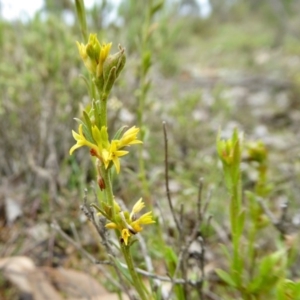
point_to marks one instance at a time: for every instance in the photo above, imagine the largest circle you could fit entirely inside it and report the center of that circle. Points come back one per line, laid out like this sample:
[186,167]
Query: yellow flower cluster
[128,223]
[229,150]
[100,146]
[257,151]
[94,54]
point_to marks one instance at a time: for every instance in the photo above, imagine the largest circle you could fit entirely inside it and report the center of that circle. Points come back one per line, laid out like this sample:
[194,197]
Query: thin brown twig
[181,216]
[121,287]
[199,217]
[75,233]
[58,229]
[221,232]
[161,218]
[212,296]
[284,208]
[87,210]
[167,178]
[147,259]
[102,231]
[280,224]
[189,241]
[199,202]
[206,203]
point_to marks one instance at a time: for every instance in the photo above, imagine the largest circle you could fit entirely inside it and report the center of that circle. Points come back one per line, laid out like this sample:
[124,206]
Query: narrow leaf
[123,270]
[226,277]
[119,132]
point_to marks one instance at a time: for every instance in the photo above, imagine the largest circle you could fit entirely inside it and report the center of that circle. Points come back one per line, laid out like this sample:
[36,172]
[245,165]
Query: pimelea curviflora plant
[104,69]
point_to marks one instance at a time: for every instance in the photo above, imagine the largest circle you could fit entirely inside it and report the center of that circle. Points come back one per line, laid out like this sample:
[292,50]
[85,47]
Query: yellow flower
[129,224]
[100,137]
[102,57]
[114,155]
[90,62]
[138,206]
[94,54]
[257,151]
[125,236]
[101,147]
[129,137]
[111,225]
[81,140]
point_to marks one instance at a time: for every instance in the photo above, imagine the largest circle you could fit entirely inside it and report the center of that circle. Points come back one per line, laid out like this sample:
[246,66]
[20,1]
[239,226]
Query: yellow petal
[104,51]
[138,206]
[146,218]
[117,207]
[129,137]
[136,226]
[116,162]
[76,146]
[125,235]
[111,225]
[76,136]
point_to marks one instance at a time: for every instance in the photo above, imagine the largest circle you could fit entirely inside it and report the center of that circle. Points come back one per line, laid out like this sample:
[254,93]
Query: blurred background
[214,64]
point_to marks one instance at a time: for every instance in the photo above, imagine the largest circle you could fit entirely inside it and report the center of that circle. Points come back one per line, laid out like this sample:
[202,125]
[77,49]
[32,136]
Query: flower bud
[116,60]
[101,183]
[257,152]
[94,55]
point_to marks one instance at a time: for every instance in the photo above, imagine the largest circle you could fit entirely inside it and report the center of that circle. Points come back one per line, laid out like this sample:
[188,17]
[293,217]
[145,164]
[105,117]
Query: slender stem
[142,175]
[251,248]
[142,96]
[142,171]
[134,276]
[108,189]
[103,110]
[235,211]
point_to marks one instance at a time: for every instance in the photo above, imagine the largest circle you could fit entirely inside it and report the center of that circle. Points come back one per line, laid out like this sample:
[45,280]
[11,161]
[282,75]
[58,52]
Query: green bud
[99,82]
[117,60]
[257,152]
[110,80]
[93,47]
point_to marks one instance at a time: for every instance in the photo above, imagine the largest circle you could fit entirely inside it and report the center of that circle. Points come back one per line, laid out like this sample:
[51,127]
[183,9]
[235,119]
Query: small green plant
[93,133]
[144,83]
[252,275]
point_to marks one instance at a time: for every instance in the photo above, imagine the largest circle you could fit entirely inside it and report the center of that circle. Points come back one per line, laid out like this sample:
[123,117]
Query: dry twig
[281,224]
[167,179]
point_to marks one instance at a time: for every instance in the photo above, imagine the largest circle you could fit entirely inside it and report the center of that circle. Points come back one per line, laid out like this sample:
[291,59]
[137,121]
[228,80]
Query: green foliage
[39,84]
[253,276]
[41,92]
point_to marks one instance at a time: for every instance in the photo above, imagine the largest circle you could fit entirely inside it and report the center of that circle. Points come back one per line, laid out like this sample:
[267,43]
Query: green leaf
[156,7]
[86,132]
[297,289]
[119,132]
[123,270]
[241,222]
[225,251]
[80,9]
[100,210]
[236,162]
[171,259]
[96,108]
[147,86]
[288,289]
[87,121]
[87,83]
[270,268]
[226,277]
[146,62]
[268,263]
